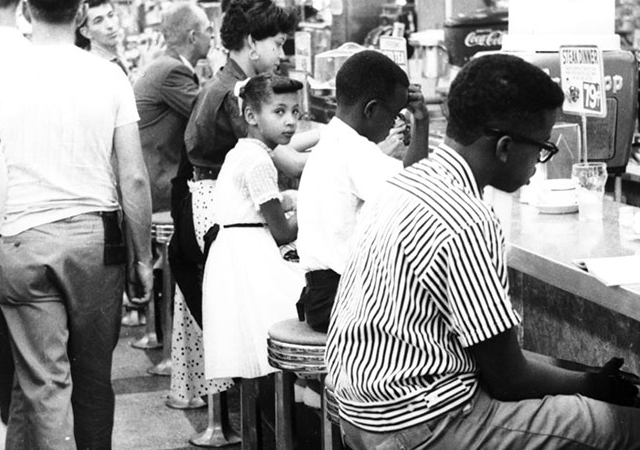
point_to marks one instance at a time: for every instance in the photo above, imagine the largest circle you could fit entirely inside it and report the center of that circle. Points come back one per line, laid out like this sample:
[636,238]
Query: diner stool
[293,347]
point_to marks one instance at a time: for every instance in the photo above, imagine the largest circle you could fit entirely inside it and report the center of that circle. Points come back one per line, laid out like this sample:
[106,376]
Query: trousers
[62,307]
[552,423]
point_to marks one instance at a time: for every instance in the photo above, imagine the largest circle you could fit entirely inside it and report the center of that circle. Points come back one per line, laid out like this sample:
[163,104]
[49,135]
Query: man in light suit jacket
[165,94]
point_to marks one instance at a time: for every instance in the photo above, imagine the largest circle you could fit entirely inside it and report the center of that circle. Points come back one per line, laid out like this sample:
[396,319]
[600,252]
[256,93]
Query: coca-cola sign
[484,38]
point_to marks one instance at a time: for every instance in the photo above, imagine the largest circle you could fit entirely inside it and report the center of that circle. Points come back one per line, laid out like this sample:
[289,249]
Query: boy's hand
[416,103]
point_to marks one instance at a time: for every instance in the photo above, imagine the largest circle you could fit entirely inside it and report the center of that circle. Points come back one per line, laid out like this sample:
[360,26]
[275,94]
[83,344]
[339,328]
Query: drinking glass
[590,178]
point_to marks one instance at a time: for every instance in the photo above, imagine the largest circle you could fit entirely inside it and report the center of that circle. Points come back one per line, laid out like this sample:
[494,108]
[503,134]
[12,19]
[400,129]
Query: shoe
[130,319]
[311,396]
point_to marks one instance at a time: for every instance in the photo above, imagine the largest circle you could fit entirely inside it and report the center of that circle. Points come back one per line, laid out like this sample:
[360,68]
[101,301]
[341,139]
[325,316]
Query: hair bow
[236,91]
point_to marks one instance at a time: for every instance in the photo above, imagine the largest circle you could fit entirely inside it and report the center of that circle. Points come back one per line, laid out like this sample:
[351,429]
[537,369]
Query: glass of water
[590,178]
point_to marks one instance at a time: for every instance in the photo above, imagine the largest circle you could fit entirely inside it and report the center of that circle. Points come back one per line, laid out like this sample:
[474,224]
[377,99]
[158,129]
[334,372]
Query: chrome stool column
[163,232]
[293,347]
[331,418]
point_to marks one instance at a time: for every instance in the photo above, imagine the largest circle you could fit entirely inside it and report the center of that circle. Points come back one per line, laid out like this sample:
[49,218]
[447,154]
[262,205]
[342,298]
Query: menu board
[582,80]
[396,49]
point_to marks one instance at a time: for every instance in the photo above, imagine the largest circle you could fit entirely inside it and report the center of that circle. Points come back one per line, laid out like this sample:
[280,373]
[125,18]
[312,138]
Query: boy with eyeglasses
[422,346]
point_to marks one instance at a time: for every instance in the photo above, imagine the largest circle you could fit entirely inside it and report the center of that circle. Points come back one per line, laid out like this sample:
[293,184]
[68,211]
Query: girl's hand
[289,200]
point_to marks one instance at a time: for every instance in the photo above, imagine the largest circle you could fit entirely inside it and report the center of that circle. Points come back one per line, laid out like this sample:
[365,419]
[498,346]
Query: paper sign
[396,49]
[303,51]
[582,80]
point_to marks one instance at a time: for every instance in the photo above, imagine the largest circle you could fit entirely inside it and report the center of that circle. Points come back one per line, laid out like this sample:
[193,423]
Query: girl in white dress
[247,285]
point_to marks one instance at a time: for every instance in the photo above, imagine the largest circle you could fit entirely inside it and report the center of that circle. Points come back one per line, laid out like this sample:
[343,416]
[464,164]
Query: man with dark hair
[101,28]
[63,259]
[422,346]
[346,169]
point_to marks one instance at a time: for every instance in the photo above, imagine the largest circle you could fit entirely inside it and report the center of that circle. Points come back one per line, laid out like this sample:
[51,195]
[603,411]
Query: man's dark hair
[498,89]
[9,4]
[259,19]
[94,3]
[54,11]
[367,75]
[260,88]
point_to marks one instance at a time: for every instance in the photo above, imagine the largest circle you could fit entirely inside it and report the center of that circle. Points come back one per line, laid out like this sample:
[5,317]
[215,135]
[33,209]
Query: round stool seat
[293,345]
[331,408]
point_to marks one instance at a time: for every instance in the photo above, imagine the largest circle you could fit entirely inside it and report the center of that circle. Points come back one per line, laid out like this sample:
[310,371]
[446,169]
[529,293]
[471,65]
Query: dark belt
[212,233]
[205,173]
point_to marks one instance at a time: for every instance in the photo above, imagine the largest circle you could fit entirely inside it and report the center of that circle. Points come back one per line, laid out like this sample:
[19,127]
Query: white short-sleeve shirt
[343,171]
[59,109]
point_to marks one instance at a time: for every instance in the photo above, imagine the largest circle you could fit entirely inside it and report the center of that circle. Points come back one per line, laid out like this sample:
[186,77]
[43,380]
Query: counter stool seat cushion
[293,331]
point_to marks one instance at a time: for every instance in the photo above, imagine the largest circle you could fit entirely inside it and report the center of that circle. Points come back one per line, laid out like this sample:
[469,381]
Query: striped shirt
[427,279]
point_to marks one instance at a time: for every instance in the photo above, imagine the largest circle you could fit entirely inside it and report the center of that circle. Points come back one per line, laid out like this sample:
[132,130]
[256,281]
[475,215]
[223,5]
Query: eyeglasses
[547,149]
[396,116]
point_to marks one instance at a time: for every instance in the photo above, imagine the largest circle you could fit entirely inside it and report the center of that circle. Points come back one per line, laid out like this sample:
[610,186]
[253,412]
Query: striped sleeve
[478,284]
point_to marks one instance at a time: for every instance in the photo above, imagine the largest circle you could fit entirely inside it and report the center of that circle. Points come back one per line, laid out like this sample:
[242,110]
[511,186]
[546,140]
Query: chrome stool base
[218,432]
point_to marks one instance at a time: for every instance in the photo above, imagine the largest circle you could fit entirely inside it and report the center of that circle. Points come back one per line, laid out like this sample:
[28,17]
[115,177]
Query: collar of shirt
[232,71]
[456,167]
[186,62]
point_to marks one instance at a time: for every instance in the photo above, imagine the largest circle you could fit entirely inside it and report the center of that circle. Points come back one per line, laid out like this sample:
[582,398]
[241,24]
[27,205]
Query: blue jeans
[62,305]
[553,423]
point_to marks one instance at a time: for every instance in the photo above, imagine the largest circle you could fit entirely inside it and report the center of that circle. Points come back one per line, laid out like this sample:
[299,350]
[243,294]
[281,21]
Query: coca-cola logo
[484,38]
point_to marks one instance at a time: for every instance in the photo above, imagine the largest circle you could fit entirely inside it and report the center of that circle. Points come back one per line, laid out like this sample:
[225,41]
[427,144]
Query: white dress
[247,285]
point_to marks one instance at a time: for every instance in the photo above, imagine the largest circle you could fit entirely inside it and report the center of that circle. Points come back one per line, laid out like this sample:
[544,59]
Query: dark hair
[260,88]
[54,11]
[367,75]
[498,88]
[94,3]
[9,3]
[259,19]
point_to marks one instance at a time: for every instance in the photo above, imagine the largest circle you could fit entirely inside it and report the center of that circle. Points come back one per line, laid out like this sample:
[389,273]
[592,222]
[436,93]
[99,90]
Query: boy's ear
[502,148]
[368,109]
[250,116]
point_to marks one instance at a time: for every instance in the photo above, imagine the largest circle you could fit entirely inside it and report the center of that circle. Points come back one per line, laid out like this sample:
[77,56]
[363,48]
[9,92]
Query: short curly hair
[498,89]
[366,75]
[259,19]
[54,11]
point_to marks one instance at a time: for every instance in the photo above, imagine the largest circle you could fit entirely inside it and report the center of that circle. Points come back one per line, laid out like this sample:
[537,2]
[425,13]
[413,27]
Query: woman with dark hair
[253,32]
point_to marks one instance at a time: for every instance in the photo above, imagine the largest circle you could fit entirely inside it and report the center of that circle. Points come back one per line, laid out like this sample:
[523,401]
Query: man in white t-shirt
[12,44]
[62,252]
[346,168]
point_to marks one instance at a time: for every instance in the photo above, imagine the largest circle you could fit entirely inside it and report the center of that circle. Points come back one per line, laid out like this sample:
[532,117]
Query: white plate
[557,209]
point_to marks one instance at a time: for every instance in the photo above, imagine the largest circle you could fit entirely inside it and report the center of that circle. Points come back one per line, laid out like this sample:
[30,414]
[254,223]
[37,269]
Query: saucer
[545,208]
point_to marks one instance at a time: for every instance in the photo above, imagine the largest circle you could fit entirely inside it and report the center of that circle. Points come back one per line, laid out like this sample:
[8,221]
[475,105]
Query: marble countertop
[544,246]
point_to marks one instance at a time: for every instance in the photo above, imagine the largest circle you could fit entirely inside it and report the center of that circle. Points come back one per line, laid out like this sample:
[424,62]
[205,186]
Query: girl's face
[269,52]
[276,121]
